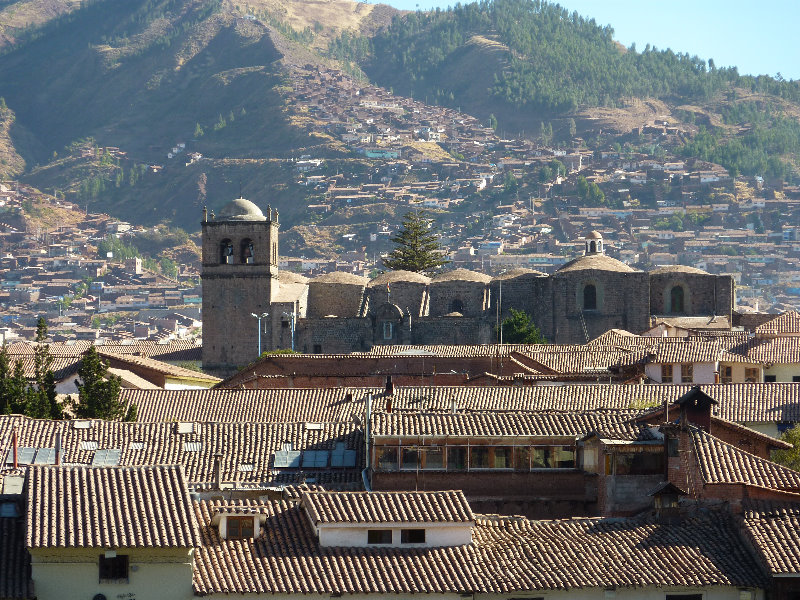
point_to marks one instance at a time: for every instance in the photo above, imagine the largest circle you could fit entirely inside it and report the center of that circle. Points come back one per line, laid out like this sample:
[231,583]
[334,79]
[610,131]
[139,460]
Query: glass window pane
[386,458]
[563,457]
[456,458]
[434,458]
[502,457]
[410,459]
[478,457]
[541,457]
[522,458]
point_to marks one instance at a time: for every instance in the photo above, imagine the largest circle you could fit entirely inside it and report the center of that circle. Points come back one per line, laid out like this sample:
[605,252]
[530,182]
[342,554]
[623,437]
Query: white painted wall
[783,372]
[165,574]
[703,372]
[355,536]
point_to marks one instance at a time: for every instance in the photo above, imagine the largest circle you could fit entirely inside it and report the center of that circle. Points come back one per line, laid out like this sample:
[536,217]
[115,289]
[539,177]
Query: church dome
[595,262]
[399,276]
[594,235]
[461,275]
[241,210]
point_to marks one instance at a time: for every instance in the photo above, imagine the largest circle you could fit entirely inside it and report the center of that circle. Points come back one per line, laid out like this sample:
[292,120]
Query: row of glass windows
[465,458]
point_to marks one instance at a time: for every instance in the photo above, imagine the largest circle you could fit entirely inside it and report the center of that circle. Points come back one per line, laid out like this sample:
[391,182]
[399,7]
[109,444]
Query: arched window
[457,306]
[676,304]
[590,297]
[592,247]
[247,252]
[226,252]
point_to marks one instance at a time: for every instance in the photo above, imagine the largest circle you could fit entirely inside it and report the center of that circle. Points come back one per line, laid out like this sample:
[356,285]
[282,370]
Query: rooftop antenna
[240,188]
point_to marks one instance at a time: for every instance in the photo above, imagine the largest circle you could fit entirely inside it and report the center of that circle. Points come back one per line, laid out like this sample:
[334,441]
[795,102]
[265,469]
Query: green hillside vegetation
[556,60]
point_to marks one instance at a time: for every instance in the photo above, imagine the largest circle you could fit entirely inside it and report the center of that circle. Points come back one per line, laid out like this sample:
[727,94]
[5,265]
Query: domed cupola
[594,243]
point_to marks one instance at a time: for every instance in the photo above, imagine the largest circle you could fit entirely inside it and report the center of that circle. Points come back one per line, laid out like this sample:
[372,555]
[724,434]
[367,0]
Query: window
[317,348]
[411,459]
[502,457]
[387,330]
[114,569]
[478,457]
[226,252]
[795,378]
[386,458]
[590,297]
[773,378]
[676,299]
[379,536]
[726,375]
[751,374]
[456,458]
[640,463]
[412,536]
[457,306]
[247,252]
[592,247]
[432,458]
[541,458]
[522,458]
[563,457]
[687,373]
[239,528]
[666,373]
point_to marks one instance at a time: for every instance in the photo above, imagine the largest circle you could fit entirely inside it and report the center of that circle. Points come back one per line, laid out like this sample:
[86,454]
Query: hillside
[107,101]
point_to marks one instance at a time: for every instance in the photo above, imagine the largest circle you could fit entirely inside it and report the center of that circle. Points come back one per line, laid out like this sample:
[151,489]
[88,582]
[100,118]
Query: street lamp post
[259,317]
[291,324]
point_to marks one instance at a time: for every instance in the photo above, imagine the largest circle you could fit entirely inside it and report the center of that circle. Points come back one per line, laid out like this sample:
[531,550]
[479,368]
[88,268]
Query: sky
[759,37]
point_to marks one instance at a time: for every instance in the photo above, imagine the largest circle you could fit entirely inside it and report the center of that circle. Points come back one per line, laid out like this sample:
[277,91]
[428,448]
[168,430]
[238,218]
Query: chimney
[389,404]
[58,448]
[218,471]
[389,386]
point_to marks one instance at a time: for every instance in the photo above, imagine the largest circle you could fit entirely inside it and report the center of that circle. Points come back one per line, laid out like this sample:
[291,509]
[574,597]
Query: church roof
[395,276]
[596,262]
[461,275]
[241,210]
[290,277]
[518,272]
[594,235]
[678,269]
[340,277]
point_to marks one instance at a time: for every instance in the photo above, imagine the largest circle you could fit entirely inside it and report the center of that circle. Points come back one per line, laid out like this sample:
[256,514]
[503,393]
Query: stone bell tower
[240,278]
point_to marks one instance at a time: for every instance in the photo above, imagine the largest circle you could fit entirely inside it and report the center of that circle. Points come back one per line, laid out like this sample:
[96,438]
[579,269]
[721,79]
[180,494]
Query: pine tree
[417,248]
[98,391]
[42,402]
[519,328]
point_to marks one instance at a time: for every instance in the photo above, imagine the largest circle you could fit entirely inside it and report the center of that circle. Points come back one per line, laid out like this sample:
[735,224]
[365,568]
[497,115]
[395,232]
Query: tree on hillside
[789,458]
[416,246]
[99,390]
[13,385]
[519,328]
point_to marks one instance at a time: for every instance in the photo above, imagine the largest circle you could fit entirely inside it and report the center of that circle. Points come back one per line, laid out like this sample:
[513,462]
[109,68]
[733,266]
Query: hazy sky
[758,37]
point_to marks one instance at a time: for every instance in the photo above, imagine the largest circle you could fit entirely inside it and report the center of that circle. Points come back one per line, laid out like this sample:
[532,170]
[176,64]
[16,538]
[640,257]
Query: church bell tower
[240,278]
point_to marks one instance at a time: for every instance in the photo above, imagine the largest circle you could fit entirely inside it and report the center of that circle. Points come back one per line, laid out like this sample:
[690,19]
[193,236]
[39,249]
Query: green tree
[42,399]
[98,391]
[493,121]
[789,458]
[417,248]
[13,385]
[519,328]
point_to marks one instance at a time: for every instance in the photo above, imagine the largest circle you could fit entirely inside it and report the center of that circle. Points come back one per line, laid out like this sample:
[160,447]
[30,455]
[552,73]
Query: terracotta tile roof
[176,350]
[156,365]
[693,352]
[773,529]
[15,562]
[580,360]
[721,462]
[502,424]
[788,322]
[772,350]
[507,555]
[387,507]
[247,449]
[739,402]
[109,507]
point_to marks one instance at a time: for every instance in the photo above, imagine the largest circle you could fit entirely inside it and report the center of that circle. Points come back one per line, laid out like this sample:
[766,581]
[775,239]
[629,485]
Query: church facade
[250,306]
